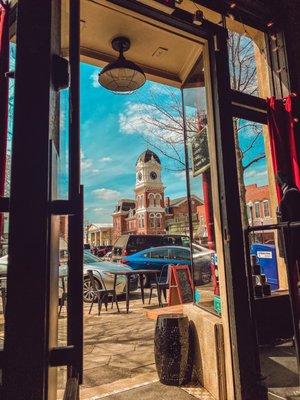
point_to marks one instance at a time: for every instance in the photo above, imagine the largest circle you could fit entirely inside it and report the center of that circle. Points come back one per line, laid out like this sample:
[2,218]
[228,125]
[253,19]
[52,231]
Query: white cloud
[86,163]
[254,173]
[149,120]
[106,194]
[180,175]
[105,159]
[94,79]
[98,209]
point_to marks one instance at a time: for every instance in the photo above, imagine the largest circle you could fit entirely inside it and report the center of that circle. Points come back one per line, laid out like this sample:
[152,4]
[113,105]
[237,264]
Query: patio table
[140,273]
[64,295]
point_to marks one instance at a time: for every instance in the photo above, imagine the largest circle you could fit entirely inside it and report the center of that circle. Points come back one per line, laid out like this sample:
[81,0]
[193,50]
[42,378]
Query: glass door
[215,225]
[38,213]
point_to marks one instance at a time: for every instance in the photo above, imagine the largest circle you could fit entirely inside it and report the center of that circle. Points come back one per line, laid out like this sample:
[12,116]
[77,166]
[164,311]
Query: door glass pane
[4,217]
[258,203]
[199,142]
[63,163]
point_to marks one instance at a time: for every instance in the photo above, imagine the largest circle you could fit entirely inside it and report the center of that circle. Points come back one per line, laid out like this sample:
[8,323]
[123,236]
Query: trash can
[266,258]
[173,349]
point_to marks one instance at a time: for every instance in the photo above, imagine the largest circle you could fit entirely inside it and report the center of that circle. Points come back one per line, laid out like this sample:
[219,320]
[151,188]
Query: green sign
[200,153]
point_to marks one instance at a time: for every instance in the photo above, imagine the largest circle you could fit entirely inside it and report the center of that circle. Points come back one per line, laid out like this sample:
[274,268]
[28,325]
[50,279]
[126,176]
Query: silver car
[100,270]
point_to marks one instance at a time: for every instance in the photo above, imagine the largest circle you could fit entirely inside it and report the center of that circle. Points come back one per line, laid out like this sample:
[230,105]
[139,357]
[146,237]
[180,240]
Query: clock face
[153,175]
[140,176]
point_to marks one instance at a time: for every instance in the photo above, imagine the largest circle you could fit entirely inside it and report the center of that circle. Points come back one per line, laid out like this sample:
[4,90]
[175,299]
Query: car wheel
[88,289]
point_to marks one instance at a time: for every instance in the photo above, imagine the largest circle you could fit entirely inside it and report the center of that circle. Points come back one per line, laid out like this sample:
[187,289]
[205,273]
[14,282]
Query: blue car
[160,257]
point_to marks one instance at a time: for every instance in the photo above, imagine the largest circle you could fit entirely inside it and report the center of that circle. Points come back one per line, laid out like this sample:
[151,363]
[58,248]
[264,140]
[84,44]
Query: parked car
[158,257]
[99,268]
[130,244]
[107,256]
[100,251]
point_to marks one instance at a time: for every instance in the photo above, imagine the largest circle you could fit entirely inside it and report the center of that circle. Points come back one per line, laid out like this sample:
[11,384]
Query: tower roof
[147,156]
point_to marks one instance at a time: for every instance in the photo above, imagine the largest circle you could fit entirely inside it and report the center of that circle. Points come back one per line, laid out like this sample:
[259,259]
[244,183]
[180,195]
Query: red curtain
[284,130]
[4,65]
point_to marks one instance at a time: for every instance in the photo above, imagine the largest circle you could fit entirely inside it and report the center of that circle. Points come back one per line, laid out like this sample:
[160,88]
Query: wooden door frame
[243,345]
[29,330]
[31,33]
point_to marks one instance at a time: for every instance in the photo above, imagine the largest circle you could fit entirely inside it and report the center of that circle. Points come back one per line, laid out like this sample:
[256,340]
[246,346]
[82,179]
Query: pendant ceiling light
[121,76]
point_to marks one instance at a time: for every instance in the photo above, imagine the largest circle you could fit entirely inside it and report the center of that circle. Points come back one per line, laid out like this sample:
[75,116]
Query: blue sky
[110,147]
[109,151]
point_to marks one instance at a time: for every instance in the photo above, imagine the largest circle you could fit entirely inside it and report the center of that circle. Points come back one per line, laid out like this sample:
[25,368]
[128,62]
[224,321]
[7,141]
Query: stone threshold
[116,387]
[127,384]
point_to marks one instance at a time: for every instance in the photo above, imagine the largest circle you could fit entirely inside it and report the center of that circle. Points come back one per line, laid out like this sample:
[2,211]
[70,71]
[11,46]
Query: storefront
[183,44]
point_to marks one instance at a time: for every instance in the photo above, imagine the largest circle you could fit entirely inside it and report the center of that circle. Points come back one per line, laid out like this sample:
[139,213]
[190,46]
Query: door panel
[31,353]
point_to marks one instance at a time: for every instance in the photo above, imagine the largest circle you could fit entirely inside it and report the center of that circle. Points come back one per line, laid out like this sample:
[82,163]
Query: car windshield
[89,258]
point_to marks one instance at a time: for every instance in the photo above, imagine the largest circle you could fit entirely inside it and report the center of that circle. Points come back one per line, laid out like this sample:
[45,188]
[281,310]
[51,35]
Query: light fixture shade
[122,76]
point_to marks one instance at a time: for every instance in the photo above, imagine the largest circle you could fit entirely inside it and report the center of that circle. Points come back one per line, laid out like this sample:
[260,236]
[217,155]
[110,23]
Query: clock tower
[149,195]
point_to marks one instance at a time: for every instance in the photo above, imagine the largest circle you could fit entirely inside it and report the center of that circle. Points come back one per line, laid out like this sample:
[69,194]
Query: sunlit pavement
[119,356]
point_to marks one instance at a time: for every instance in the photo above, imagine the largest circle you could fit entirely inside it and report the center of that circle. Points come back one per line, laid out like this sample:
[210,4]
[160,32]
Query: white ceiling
[166,55]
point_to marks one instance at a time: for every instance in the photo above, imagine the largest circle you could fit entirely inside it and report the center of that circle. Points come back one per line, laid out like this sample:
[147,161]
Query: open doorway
[136,156]
[187,71]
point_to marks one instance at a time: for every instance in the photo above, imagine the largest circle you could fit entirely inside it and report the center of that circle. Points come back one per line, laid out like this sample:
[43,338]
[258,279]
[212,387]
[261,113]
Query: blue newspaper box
[266,258]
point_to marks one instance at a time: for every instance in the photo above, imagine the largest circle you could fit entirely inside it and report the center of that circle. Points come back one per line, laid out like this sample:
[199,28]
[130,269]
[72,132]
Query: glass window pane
[242,63]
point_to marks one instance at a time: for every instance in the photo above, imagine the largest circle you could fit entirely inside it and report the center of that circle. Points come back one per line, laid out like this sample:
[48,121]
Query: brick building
[258,211]
[150,212]
[177,221]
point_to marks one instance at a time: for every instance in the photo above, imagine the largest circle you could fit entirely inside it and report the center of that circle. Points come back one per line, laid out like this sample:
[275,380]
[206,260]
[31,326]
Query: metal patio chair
[163,283]
[64,295]
[101,294]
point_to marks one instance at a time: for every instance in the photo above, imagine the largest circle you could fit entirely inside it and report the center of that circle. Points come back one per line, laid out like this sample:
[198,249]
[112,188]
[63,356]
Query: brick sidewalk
[119,356]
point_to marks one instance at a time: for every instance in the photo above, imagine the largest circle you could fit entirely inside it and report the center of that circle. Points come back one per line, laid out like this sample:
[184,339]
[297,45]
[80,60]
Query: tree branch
[258,158]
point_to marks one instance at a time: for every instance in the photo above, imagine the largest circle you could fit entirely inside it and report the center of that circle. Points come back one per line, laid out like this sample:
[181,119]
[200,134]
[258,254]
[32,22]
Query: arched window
[257,209]
[152,220]
[151,199]
[266,208]
[157,199]
[142,200]
[158,222]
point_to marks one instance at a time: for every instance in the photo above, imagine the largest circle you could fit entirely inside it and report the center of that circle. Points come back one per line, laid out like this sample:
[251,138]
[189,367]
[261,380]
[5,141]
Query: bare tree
[160,117]
[243,79]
